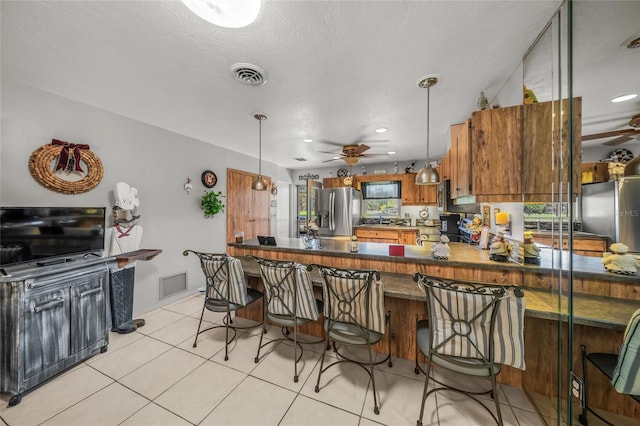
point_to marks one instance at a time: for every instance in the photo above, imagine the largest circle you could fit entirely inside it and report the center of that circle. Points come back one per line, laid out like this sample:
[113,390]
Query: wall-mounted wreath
[66,167]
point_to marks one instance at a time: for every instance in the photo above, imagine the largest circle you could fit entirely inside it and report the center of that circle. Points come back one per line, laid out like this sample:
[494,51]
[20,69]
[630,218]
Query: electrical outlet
[577,388]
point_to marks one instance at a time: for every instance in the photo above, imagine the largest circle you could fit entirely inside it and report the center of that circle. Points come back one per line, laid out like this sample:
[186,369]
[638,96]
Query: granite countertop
[596,311]
[463,255]
[581,235]
[393,227]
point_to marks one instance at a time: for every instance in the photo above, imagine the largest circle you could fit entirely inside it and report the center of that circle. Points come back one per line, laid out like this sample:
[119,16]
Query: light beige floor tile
[309,412]
[177,332]
[162,372]
[398,399]
[278,366]
[468,383]
[56,396]
[122,362]
[190,305]
[198,393]
[116,341]
[455,409]
[110,406]
[269,403]
[242,352]
[158,319]
[153,415]
[209,342]
[517,398]
[367,422]
[2,422]
[401,367]
[528,418]
[344,385]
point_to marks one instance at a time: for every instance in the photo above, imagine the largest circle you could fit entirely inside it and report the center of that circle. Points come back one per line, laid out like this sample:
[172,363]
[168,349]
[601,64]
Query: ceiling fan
[352,153]
[623,135]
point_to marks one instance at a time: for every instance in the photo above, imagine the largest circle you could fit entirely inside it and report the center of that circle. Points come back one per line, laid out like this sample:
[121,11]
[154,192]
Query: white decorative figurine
[126,234]
[620,262]
[441,250]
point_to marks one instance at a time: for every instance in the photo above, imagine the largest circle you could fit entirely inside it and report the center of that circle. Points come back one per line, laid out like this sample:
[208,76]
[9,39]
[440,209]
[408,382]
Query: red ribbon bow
[64,158]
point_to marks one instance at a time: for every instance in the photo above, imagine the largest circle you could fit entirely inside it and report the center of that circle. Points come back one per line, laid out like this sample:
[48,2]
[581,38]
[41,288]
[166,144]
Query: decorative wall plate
[342,172]
[66,167]
[209,179]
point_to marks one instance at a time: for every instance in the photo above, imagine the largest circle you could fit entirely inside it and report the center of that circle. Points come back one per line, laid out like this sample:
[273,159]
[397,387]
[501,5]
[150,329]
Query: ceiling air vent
[249,74]
[300,159]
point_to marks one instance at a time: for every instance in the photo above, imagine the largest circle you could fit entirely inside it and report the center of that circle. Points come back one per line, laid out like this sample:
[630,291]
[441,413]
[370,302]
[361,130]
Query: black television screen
[34,234]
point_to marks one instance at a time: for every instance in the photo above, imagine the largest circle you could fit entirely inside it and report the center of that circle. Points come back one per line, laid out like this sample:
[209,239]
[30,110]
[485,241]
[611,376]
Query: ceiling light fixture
[624,98]
[381,130]
[307,140]
[427,175]
[391,152]
[226,13]
[259,183]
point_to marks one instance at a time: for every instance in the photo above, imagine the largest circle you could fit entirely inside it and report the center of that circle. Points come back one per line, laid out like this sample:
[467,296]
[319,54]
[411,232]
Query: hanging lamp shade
[260,183]
[427,175]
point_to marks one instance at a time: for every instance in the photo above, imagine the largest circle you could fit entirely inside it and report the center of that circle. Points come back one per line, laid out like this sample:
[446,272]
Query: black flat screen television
[45,235]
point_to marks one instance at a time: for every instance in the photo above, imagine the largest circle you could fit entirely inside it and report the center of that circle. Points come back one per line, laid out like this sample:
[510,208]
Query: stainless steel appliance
[449,226]
[338,211]
[613,209]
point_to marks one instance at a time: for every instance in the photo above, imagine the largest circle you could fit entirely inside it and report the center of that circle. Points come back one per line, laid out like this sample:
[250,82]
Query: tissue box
[396,250]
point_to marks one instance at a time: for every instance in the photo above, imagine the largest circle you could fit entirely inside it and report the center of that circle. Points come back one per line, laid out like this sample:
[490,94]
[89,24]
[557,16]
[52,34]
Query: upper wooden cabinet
[542,166]
[444,169]
[460,160]
[337,182]
[497,154]
[413,194]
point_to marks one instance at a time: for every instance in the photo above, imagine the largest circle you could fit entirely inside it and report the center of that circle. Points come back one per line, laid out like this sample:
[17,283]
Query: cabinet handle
[49,305]
[90,292]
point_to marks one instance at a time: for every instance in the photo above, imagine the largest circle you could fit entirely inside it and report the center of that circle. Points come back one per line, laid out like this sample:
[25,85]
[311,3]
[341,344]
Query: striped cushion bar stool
[354,315]
[623,369]
[226,292]
[472,328]
[289,301]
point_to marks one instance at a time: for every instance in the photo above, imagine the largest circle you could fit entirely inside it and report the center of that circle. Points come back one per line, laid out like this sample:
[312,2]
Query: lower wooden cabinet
[583,246]
[388,236]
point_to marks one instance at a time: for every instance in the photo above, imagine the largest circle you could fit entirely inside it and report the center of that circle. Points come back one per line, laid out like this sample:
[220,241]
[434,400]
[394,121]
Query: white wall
[155,161]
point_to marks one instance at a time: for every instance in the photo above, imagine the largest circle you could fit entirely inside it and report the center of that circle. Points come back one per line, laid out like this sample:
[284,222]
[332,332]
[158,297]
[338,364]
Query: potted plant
[211,204]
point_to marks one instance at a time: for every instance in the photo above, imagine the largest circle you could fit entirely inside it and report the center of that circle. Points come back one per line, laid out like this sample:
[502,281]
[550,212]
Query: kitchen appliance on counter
[338,211]
[613,209]
[449,226]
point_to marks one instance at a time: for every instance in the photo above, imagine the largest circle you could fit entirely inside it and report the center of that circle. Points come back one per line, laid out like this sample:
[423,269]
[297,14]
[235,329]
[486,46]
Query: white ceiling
[336,70]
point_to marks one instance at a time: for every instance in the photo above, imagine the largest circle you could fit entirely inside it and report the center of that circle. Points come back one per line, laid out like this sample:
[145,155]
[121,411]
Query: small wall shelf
[124,259]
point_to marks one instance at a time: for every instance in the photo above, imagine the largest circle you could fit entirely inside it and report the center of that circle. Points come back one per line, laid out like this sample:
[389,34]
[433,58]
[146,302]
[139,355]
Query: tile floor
[155,377]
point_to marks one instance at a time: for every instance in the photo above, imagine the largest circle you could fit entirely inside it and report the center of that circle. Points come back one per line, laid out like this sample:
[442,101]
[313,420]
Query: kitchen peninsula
[603,302]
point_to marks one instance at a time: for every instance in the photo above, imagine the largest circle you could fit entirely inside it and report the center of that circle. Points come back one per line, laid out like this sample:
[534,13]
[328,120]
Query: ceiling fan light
[351,161]
[427,176]
[259,184]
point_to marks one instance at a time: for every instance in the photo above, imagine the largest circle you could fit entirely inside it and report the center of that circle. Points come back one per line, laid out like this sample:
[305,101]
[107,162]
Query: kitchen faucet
[380,218]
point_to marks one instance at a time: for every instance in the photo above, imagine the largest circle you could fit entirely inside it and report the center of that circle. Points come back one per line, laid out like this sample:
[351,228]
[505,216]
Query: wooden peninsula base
[602,303]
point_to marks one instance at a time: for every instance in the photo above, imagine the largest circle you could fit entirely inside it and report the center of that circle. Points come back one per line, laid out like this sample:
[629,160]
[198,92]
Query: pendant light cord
[428,118]
[259,147]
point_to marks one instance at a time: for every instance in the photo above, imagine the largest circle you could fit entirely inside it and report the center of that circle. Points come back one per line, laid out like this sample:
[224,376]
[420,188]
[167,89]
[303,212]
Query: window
[381,198]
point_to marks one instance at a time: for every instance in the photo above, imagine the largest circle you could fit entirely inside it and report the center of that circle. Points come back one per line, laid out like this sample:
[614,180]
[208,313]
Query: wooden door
[247,210]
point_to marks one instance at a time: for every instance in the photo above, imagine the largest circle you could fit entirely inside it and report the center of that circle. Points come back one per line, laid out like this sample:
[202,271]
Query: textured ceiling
[336,70]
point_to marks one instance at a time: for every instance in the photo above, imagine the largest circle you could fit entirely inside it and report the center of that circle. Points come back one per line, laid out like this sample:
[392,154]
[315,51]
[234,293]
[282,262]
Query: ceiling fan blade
[333,159]
[375,155]
[618,141]
[331,152]
[361,148]
[611,134]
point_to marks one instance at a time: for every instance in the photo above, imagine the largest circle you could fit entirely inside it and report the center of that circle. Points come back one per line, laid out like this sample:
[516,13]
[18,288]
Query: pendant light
[259,183]
[427,175]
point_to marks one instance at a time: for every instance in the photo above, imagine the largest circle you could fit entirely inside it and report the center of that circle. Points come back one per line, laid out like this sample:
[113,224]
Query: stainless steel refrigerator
[338,211]
[613,209]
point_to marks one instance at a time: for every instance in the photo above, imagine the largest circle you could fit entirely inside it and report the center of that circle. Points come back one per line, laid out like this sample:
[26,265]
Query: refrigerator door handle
[332,211]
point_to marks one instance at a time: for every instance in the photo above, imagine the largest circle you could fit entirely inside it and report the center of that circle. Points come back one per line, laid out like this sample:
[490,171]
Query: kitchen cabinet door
[496,162]
[460,160]
[88,311]
[543,167]
[337,182]
[417,195]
